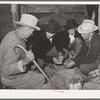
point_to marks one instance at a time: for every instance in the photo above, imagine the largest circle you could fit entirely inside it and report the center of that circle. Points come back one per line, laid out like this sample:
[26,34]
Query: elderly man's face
[86,36]
[28,32]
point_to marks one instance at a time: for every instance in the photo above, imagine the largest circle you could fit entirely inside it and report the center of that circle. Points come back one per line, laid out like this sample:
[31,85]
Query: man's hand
[60,57]
[69,63]
[29,56]
[56,61]
[72,54]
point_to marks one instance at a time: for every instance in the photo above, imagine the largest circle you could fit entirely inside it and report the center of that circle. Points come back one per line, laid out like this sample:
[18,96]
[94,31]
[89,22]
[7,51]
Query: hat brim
[45,27]
[68,27]
[35,27]
[79,29]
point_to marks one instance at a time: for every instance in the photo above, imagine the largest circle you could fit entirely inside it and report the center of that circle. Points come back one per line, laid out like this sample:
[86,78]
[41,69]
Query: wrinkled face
[86,36]
[28,32]
[71,31]
[49,35]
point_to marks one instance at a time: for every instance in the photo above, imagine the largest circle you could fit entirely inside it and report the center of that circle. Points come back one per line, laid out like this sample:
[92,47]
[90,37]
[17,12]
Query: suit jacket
[89,53]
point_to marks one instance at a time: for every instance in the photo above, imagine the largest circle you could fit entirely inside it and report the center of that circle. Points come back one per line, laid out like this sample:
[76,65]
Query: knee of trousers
[83,69]
[41,77]
[37,76]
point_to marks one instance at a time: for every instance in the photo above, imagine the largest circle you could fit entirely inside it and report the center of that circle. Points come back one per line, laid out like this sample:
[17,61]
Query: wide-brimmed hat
[53,26]
[70,24]
[87,26]
[28,20]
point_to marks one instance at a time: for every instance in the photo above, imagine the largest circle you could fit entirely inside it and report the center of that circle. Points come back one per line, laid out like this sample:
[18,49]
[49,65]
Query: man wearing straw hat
[88,58]
[13,63]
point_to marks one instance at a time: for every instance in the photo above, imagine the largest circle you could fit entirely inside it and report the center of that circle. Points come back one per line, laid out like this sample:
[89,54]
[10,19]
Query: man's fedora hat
[70,24]
[53,26]
[28,20]
[87,26]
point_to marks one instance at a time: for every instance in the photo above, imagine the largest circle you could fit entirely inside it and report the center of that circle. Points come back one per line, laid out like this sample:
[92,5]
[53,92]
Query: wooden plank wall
[47,8]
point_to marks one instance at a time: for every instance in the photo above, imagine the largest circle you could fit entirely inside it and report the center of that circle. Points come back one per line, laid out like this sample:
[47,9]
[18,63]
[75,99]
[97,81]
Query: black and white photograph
[49,46]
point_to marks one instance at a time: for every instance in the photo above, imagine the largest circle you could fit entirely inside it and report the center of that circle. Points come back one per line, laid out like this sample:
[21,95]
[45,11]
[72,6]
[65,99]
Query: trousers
[30,80]
[86,68]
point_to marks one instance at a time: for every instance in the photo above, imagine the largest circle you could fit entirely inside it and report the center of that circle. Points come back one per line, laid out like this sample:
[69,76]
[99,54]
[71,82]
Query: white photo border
[50,94]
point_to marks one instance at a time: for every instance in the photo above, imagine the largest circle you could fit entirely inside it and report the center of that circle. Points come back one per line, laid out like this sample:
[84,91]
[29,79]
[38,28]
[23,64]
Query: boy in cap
[73,38]
[13,63]
[88,58]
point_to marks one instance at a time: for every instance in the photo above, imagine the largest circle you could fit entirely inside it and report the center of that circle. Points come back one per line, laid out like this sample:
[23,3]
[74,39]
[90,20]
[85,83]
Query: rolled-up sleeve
[20,67]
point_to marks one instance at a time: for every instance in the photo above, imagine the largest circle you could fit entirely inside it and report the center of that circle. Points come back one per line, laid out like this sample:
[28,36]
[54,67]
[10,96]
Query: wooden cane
[36,66]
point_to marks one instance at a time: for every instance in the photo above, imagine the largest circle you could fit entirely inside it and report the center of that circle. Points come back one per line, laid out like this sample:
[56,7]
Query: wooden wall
[47,8]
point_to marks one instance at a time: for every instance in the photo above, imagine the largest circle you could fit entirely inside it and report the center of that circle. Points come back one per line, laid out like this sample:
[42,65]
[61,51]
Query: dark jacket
[66,40]
[89,53]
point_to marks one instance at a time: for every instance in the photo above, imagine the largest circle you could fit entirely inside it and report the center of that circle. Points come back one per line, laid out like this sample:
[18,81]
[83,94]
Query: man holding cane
[13,63]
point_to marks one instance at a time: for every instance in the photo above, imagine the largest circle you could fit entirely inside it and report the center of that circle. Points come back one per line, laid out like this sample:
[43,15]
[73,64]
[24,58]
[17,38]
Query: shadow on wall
[5,20]
[59,12]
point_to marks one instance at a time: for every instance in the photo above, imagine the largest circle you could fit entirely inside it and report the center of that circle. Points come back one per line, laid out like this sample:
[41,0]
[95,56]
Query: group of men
[73,45]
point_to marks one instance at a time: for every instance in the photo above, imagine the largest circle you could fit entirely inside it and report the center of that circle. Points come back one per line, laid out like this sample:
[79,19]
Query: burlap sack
[62,77]
[93,84]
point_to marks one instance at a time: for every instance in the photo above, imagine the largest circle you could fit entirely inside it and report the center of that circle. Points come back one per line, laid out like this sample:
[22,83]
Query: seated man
[46,44]
[87,59]
[13,63]
[74,40]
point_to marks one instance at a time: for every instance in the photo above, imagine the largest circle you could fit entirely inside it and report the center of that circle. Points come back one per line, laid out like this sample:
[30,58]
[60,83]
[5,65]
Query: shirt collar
[72,35]
[90,38]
